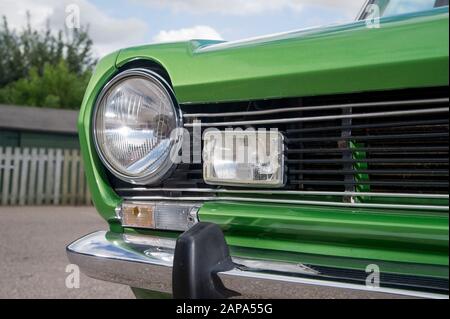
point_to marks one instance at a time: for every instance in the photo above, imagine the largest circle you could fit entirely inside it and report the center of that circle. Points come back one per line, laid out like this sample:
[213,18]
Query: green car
[308,164]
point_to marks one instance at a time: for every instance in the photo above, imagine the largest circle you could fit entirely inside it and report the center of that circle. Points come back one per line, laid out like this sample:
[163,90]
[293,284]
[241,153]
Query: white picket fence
[42,176]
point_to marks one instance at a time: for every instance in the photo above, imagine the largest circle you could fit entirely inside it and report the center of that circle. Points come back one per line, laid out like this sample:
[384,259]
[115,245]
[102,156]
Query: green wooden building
[40,162]
[22,126]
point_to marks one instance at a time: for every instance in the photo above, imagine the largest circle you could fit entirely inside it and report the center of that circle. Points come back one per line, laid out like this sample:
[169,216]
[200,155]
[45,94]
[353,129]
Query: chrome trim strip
[274,266]
[316,108]
[262,285]
[282,192]
[322,118]
[362,12]
[286,201]
[146,262]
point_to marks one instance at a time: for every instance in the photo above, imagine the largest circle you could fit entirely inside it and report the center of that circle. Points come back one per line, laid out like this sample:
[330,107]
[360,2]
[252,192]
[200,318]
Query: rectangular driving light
[244,158]
[158,215]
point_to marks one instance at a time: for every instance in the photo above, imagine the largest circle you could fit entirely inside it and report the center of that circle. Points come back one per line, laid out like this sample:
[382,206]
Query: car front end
[352,202]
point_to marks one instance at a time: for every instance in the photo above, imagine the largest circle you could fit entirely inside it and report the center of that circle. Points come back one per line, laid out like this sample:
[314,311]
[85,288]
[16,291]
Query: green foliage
[44,68]
[57,87]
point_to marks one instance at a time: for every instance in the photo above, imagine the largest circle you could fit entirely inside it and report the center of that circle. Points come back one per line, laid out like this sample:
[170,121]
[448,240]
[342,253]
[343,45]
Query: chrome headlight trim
[166,166]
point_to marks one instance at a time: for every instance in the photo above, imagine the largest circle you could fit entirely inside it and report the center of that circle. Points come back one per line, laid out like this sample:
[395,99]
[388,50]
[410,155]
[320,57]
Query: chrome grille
[394,144]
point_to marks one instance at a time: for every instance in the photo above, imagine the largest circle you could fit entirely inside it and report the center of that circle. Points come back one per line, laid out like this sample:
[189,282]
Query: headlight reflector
[134,119]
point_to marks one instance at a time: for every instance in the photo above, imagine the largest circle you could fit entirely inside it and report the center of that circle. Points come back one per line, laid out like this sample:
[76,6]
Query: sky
[116,24]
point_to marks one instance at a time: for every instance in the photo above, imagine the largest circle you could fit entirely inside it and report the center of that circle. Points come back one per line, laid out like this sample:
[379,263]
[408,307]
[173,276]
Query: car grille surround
[382,144]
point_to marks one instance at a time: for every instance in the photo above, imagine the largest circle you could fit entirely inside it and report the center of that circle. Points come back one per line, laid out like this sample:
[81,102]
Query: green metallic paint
[103,196]
[314,260]
[364,233]
[406,52]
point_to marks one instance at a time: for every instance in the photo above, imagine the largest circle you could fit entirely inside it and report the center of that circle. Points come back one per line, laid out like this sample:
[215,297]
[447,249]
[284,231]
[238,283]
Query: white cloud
[16,11]
[197,32]
[239,7]
[108,33]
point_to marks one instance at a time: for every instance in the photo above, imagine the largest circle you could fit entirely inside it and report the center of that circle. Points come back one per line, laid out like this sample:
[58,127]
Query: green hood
[406,51]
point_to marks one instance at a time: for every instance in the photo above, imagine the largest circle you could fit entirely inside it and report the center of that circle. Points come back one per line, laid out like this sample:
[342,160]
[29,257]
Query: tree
[57,87]
[44,68]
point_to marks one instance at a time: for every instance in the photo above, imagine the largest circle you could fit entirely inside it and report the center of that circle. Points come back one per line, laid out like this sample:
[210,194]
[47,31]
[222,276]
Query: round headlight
[134,120]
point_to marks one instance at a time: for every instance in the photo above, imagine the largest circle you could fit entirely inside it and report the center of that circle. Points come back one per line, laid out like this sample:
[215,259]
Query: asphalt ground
[32,253]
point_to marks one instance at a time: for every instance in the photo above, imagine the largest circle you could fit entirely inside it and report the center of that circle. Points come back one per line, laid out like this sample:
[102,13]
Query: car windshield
[395,7]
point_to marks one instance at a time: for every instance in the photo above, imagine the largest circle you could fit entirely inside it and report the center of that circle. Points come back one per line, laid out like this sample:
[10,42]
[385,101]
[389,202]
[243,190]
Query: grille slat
[323,118]
[376,183]
[375,150]
[373,171]
[387,160]
[366,126]
[279,110]
[367,137]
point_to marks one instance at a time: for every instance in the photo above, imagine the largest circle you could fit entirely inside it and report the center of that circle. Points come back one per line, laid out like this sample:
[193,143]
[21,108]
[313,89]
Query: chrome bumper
[146,262]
